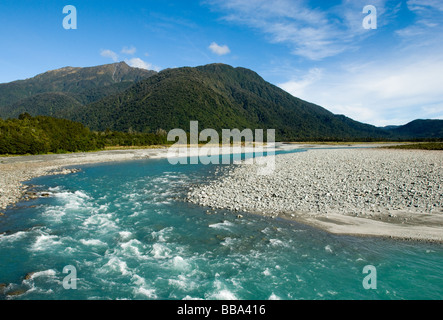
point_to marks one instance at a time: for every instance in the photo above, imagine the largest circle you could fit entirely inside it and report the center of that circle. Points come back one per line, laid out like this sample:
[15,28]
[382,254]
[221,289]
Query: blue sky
[316,50]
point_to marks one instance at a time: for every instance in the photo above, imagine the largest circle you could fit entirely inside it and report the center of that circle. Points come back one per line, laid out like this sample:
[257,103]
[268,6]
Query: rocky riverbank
[377,192]
[15,171]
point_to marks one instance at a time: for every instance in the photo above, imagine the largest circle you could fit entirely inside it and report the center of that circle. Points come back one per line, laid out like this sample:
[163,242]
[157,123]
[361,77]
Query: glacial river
[125,232]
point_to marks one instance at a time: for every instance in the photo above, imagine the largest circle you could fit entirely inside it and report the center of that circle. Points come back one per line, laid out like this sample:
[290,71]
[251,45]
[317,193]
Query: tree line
[43,134]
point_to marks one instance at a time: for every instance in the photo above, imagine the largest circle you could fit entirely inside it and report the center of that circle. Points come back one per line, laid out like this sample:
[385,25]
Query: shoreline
[16,171]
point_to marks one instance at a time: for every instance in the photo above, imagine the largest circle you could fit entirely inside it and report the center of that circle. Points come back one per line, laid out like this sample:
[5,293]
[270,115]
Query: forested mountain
[119,98]
[55,92]
[219,97]
[419,129]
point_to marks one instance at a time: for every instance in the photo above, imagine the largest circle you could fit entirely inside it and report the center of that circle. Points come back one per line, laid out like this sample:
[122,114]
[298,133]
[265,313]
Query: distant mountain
[390,127]
[218,96]
[418,129]
[54,92]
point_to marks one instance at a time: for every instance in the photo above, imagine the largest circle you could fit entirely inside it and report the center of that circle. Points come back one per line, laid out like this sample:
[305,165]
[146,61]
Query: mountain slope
[85,85]
[419,129]
[219,97]
[54,104]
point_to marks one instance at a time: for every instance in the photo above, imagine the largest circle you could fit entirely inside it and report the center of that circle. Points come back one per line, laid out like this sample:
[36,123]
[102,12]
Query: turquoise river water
[126,230]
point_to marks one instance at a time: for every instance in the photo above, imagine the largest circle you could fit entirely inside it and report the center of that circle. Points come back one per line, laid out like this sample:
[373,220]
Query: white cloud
[297,86]
[395,91]
[417,5]
[309,32]
[219,50]
[139,63]
[129,50]
[133,62]
[427,25]
[109,54]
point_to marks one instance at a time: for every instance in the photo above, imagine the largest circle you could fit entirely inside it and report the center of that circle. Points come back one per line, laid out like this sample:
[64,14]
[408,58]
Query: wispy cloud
[219,50]
[310,32]
[297,86]
[420,5]
[129,50]
[428,23]
[109,54]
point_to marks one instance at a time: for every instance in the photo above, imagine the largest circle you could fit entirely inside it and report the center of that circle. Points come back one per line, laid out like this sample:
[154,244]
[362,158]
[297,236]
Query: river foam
[132,239]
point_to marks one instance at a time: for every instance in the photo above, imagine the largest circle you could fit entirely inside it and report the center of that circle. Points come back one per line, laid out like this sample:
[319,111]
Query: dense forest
[219,97]
[43,134]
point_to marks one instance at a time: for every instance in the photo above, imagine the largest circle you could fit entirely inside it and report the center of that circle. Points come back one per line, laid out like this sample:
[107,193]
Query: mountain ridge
[219,96]
[85,85]
[419,129]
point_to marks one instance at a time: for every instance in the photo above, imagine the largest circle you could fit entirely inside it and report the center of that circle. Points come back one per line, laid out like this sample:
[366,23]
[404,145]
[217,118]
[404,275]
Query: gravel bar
[374,192]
